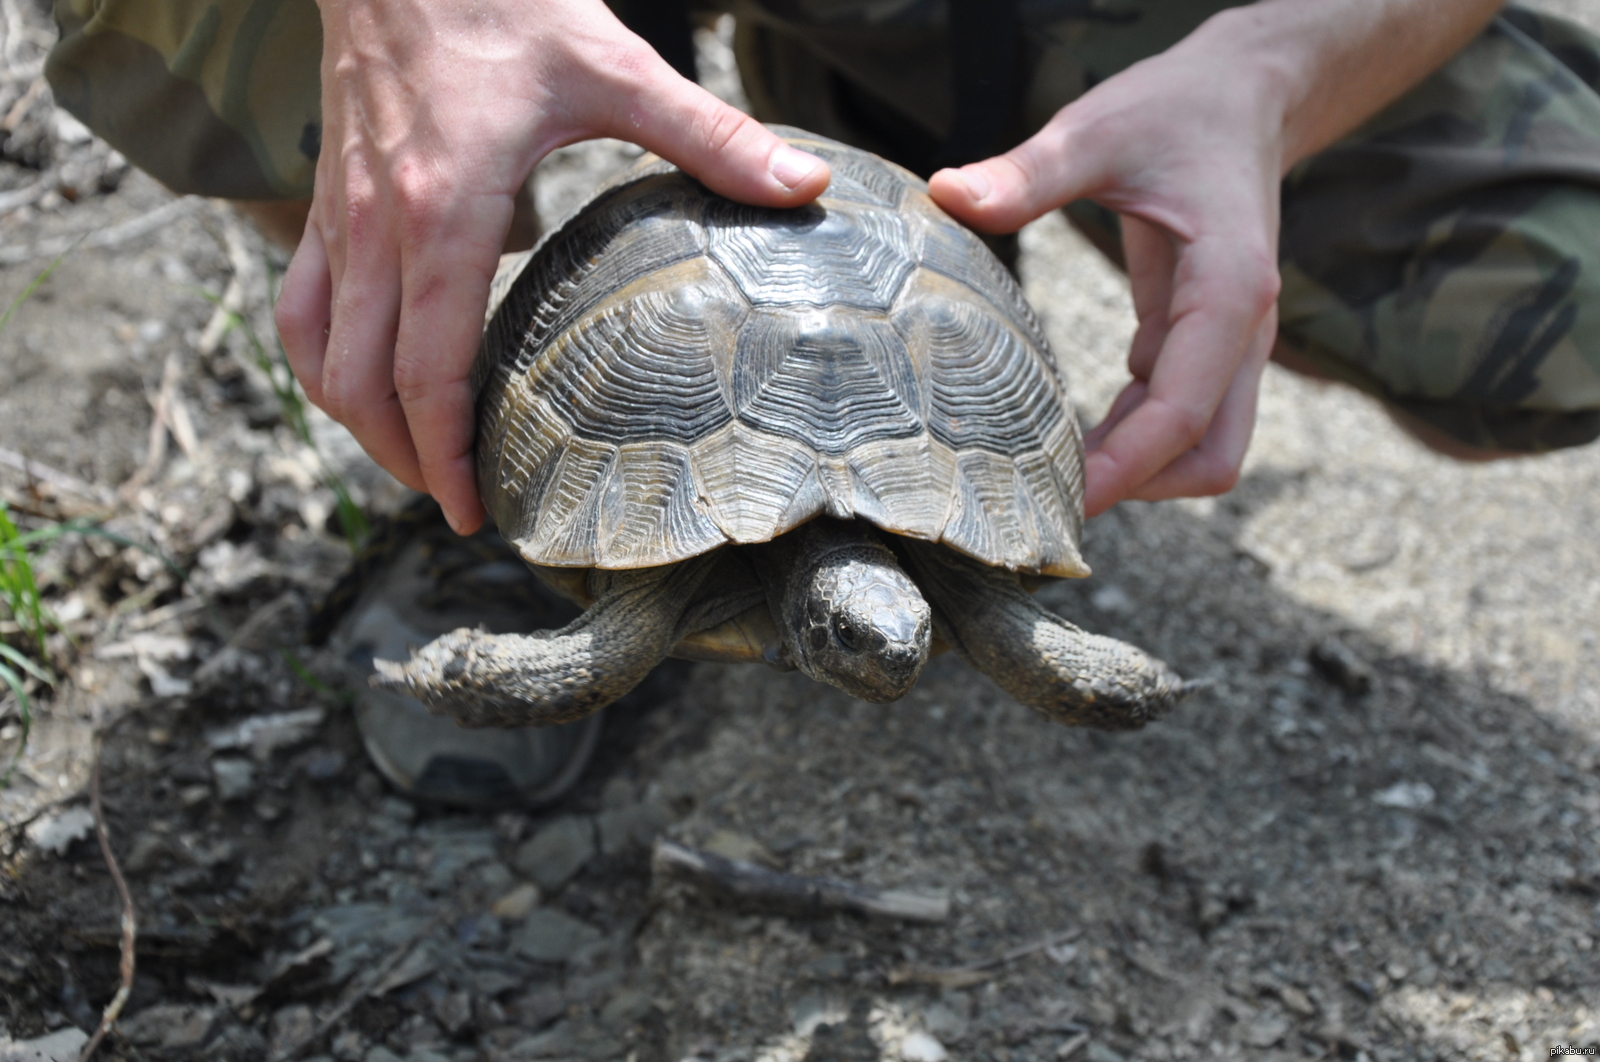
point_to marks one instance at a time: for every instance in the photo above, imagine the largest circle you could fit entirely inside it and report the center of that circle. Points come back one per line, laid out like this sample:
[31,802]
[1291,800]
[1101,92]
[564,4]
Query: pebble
[56,833]
[170,1026]
[920,1047]
[515,905]
[1099,1052]
[290,1026]
[381,1054]
[552,936]
[626,1008]
[235,777]
[63,1045]
[621,828]
[557,852]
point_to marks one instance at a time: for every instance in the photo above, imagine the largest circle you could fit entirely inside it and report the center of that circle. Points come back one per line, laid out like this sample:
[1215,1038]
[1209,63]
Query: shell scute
[673,371]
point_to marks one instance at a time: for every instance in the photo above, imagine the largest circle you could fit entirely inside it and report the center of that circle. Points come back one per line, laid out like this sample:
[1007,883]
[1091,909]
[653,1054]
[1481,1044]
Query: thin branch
[130,926]
[977,972]
[61,480]
[792,892]
[110,236]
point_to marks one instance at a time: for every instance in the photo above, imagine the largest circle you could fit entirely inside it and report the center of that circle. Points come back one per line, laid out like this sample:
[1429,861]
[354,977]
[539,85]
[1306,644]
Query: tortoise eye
[846,632]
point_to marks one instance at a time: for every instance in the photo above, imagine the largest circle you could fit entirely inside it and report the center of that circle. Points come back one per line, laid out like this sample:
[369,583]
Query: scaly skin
[555,676]
[846,613]
[1068,675]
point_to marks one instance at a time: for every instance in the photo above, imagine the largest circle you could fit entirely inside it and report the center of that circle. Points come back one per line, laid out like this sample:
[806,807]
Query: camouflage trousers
[1445,257]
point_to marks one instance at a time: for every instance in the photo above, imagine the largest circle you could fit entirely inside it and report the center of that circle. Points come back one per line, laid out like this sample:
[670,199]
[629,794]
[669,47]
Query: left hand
[1190,154]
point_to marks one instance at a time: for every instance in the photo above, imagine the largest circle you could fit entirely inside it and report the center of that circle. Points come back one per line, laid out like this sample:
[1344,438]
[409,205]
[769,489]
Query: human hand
[1189,151]
[433,116]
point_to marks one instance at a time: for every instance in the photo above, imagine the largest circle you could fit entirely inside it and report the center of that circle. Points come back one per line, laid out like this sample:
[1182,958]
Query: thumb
[725,149]
[1004,193]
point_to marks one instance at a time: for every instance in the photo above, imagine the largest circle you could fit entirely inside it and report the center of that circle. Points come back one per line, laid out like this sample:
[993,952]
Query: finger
[724,148]
[1223,292]
[1213,466]
[1126,402]
[1004,193]
[358,370]
[1152,260]
[302,312]
[448,260]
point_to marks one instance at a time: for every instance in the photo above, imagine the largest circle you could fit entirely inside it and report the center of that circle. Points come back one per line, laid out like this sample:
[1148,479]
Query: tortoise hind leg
[1067,674]
[555,676]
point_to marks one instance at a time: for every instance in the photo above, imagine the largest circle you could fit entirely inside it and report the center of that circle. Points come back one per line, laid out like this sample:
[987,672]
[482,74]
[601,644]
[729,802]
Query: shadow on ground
[1336,851]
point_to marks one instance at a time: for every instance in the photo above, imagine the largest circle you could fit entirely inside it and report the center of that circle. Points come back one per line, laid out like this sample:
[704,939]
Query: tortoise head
[854,619]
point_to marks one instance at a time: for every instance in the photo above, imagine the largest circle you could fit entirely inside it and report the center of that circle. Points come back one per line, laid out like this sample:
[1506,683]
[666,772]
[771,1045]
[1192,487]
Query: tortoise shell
[672,371]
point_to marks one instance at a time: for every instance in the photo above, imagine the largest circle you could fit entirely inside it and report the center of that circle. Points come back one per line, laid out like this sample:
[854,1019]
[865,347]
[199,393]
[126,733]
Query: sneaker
[414,581]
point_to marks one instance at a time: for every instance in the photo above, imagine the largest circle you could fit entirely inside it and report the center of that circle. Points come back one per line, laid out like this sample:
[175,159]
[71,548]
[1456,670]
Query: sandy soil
[1375,836]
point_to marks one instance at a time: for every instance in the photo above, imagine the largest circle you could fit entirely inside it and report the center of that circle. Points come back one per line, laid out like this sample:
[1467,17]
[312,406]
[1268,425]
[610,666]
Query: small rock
[944,1023]
[63,1045]
[555,1041]
[170,1026]
[1339,664]
[515,905]
[1266,1030]
[381,1054]
[290,1027]
[632,825]
[349,1046]
[1408,796]
[56,833]
[235,777]
[453,1012]
[1112,598]
[553,936]
[920,1047]
[1099,1052]
[813,1011]
[737,846]
[1297,1001]
[265,734]
[557,852]
[626,1008]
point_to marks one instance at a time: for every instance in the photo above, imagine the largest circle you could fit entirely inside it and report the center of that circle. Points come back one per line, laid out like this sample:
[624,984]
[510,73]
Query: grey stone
[290,1026]
[945,1023]
[553,936]
[920,1047]
[381,1054]
[634,824]
[235,777]
[1099,1052]
[626,1008]
[170,1026]
[553,1042]
[63,1045]
[558,851]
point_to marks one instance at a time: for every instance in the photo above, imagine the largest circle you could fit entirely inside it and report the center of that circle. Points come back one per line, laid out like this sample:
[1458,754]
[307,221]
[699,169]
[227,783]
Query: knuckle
[1189,424]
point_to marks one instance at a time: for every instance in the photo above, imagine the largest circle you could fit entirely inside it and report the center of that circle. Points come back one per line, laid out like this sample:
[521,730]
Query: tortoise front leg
[1069,675]
[555,676]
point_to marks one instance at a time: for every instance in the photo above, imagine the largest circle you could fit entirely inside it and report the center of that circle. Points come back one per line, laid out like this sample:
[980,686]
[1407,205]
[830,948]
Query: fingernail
[790,166]
[978,185]
[451,519]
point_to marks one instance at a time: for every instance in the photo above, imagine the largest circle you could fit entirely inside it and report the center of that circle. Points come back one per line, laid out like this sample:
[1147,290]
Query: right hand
[433,116]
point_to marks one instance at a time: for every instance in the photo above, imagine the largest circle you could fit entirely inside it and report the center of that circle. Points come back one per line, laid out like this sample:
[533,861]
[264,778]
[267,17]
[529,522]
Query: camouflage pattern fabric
[1443,257]
[212,97]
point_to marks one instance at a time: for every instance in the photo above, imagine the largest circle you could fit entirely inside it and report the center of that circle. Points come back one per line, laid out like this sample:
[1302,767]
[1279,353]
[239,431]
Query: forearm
[1332,64]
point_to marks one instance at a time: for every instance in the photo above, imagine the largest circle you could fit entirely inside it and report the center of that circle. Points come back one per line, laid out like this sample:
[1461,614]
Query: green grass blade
[32,668]
[34,284]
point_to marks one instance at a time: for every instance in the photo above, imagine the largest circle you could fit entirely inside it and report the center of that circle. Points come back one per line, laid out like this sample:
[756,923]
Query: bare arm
[1189,148]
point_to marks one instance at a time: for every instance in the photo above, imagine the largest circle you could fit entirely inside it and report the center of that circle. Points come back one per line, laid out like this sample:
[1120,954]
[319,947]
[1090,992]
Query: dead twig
[110,236]
[20,109]
[977,972]
[792,892]
[130,926]
[390,964]
[60,480]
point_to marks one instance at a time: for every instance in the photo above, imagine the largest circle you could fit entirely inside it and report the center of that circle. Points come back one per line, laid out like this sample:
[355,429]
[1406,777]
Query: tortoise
[831,437]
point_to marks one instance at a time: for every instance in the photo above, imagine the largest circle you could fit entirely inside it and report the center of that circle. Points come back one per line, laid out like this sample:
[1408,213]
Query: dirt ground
[1375,835]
